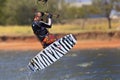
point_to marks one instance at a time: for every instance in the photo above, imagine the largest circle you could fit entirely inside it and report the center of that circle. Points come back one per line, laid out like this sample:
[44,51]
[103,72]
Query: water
[99,64]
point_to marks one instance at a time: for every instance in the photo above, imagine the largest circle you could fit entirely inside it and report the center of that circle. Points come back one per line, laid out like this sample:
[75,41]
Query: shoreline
[80,45]
[86,40]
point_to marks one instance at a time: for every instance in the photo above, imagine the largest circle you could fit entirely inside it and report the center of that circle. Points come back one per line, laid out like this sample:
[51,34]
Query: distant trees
[105,7]
[2,4]
[22,11]
[18,12]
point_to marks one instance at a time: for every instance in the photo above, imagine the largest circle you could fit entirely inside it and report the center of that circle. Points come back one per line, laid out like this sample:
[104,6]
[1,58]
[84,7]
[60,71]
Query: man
[40,29]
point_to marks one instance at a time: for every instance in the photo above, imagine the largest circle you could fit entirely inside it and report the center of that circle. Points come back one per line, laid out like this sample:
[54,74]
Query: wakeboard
[52,53]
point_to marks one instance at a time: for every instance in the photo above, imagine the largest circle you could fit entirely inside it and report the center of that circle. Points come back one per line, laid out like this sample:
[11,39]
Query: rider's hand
[49,15]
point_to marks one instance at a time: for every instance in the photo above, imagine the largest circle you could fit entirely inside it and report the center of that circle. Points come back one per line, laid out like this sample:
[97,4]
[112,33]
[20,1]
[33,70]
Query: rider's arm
[49,23]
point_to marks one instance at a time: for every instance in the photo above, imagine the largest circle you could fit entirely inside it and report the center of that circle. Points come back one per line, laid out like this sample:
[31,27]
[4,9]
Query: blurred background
[95,23]
[79,15]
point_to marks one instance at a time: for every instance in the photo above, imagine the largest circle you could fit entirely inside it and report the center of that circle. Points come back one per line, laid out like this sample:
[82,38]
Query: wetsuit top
[40,28]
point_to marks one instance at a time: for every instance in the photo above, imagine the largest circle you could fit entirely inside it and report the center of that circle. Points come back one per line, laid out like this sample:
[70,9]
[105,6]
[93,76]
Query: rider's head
[38,16]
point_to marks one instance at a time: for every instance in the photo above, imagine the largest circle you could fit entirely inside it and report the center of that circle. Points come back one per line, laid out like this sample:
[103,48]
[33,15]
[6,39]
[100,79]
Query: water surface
[97,64]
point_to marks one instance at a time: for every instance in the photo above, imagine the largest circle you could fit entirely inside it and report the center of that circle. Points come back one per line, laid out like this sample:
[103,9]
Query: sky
[79,0]
[84,0]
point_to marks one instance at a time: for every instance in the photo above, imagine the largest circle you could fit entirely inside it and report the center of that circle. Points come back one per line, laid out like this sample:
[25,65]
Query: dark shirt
[40,28]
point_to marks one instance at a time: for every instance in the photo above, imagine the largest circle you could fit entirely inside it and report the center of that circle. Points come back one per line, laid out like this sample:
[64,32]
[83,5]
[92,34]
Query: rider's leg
[49,39]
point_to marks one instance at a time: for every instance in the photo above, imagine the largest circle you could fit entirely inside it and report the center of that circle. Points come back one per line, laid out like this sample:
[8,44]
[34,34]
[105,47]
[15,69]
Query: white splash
[85,64]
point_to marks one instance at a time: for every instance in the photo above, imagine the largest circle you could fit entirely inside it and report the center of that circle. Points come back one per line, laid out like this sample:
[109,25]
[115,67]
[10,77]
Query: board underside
[52,53]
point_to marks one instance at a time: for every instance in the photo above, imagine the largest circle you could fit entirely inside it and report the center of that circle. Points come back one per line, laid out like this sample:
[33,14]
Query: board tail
[30,67]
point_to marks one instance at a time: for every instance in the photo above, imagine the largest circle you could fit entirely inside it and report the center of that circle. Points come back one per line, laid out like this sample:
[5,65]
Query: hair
[42,13]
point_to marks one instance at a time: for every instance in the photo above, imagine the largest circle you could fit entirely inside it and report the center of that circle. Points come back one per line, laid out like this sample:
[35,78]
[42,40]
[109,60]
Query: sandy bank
[83,44]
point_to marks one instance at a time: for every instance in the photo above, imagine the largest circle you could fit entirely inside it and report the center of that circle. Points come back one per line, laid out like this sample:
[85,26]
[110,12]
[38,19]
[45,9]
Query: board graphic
[52,53]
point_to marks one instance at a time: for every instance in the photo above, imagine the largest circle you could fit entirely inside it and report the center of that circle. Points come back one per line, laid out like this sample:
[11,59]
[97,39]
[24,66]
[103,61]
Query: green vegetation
[58,28]
[15,30]
[22,12]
